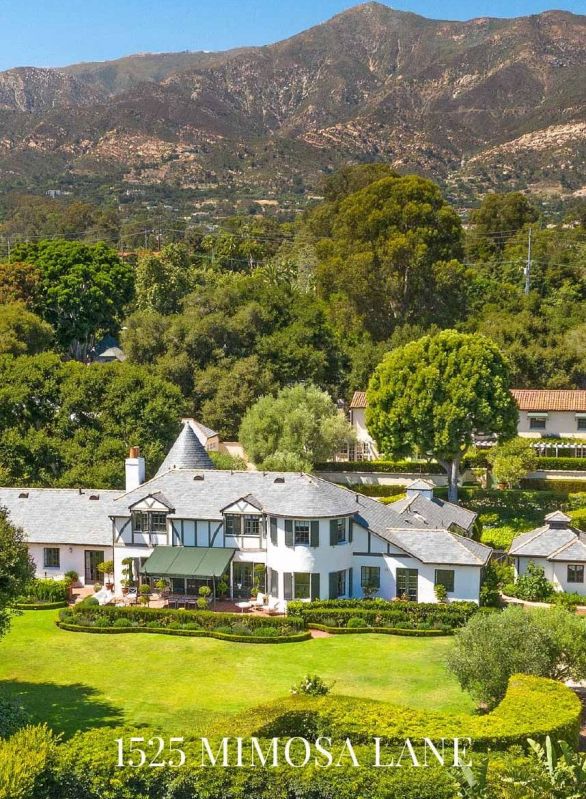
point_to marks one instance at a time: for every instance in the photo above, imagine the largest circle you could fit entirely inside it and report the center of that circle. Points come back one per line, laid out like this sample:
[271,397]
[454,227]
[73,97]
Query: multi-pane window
[302,585]
[233,524]
[575,573]
[370,577]
[537,422]
[252,525]
[302,533]
[158,522]
[407,584]
[149,522]
[51,557]
[445,577]
[340,531]
[581,423]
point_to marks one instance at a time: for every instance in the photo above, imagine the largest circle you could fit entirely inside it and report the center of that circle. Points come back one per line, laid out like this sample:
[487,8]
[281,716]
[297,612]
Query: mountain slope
[465,102]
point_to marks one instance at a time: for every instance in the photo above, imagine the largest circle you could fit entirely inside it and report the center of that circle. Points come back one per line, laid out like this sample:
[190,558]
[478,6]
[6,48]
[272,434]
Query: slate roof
[61,515]
[186,453]
[531,399]
[200,430]
[553,543]
[440,546]
[358,400]
[421,511]
[201,495]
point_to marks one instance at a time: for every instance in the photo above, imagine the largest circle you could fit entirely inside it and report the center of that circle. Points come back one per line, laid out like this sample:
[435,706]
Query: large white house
[193,524]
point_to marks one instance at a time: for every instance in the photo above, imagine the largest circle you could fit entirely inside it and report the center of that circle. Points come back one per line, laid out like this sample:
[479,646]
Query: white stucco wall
[72,557]
[558,423]
[555,571]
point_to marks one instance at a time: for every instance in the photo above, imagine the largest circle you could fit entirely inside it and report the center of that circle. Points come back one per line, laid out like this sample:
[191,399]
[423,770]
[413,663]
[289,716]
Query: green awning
[188,562]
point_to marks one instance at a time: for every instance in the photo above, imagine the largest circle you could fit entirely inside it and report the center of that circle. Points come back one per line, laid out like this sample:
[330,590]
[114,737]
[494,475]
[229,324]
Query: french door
[407,584]
[92,558]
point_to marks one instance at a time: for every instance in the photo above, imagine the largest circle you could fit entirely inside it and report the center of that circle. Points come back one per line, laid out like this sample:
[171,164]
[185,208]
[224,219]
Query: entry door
[407,584]
[92,558]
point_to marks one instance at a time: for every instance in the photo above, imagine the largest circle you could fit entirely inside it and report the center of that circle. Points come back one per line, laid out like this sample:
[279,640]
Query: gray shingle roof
[420,511]
[440,546]
[61,515]
[546,542]
[186,453]
[299,495]
[574,551]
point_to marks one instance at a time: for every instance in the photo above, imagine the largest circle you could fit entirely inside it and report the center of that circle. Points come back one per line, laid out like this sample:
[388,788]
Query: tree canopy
[84,289]
[430,396]
[293,430]
[23,332]
[63,423]
[16,567]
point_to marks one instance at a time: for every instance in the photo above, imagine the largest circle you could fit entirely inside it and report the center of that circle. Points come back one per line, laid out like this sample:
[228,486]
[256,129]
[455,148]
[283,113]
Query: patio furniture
[273,606]
[244,606]
[259,602]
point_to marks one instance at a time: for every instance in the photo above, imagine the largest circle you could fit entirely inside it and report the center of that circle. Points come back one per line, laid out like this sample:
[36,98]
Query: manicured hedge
[380,613]
[561,464]
[86,767]
[225,626]
[376,490]
[388,467]
[39,605]
[243,639]
[558,487]
[383,630]
[533,707]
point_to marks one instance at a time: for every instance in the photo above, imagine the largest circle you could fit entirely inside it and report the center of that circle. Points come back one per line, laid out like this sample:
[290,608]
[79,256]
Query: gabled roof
[186,453]
[358,400]
[61,515]
[156,495]
[553,543]
[421,511]
[421,485]
[440,546]
[557,516]
[532,399]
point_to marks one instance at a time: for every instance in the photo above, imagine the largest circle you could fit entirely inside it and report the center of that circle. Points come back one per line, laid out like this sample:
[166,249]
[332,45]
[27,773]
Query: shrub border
[384,630]
[39,605]
[243,639]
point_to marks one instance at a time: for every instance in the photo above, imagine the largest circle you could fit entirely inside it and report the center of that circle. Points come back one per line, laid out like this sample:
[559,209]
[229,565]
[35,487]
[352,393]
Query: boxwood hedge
[533,707]
[225,626]
[380,613]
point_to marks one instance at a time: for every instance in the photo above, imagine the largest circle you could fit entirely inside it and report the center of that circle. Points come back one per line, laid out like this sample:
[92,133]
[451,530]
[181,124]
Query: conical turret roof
[186,453]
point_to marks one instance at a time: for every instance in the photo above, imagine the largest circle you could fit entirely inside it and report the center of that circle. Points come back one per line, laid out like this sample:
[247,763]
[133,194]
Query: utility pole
[527,270]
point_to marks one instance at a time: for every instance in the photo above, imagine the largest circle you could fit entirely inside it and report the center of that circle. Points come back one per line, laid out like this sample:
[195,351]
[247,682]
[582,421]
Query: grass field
[77,681]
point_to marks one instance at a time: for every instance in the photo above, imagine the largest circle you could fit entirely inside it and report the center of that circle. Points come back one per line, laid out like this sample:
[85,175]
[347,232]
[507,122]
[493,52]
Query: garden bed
[223,626]
[384,630]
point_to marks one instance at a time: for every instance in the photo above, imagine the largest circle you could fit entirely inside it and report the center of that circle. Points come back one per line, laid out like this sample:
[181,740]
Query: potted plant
[72,579]
[127,575]
[162,586]
[204,595]
[222,589]
[144,594]
[106,568]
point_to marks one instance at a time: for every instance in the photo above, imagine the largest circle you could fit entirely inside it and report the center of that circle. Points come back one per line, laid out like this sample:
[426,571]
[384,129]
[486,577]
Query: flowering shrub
[311,685]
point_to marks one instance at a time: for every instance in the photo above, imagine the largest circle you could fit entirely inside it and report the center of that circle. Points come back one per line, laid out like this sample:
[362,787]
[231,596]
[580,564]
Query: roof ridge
[537,532]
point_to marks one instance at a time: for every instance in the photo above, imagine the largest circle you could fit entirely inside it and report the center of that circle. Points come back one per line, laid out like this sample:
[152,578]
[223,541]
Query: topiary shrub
[356,621]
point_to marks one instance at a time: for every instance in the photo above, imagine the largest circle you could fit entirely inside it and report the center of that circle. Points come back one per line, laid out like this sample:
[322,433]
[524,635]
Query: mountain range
[487,103]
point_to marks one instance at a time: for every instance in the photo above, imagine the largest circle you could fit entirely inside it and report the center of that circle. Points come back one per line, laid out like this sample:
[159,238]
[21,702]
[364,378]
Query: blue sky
[58,32]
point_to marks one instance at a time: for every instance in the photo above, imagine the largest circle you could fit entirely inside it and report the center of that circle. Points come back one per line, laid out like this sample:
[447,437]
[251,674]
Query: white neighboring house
[551,413]
[558,548]
[195,525]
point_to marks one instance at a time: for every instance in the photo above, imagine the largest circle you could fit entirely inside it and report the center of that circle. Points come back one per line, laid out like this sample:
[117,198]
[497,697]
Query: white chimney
[135,469]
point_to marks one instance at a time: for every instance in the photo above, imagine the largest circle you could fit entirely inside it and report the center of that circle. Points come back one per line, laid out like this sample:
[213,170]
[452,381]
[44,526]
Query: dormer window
[243,524]
[149,522]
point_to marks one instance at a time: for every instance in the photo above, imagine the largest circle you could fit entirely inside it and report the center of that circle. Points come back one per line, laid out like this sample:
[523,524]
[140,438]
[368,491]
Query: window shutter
[289,533]
[333,585]
[273,531]
[288,580]
[315,533]
[333,532]
[315,586]
[349,586]
[350,530]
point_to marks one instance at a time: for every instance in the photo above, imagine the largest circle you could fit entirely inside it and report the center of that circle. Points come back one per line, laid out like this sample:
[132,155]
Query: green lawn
[180,685]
